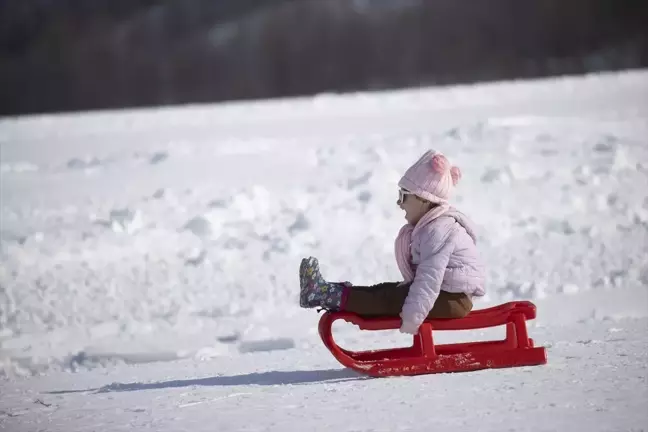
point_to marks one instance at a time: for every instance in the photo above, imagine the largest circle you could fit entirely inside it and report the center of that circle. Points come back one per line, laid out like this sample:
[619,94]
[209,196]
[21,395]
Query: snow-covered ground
[148,274]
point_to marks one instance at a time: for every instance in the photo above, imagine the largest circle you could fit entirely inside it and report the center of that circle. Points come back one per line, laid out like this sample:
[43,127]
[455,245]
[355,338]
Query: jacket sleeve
[435,254]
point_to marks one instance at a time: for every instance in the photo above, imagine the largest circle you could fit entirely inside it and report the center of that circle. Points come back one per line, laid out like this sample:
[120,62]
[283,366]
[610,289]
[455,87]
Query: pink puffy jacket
[445,256]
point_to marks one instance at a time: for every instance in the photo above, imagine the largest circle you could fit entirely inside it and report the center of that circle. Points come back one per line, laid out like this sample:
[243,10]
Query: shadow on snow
[263,378]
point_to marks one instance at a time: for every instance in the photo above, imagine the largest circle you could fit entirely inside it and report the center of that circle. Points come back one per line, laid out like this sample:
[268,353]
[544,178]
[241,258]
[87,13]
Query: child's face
[414,207]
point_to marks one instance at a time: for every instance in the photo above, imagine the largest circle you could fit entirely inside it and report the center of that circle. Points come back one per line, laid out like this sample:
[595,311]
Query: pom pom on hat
[455,173]
[439,163]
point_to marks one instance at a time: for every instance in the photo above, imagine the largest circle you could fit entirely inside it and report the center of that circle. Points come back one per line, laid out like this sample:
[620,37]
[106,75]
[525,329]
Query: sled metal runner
[425,357]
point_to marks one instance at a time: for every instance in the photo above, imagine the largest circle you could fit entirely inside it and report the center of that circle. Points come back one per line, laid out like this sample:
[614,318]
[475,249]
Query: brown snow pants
[387,299]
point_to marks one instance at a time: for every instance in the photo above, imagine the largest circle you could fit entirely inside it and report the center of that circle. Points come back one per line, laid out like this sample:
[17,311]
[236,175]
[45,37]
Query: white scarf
[403,243]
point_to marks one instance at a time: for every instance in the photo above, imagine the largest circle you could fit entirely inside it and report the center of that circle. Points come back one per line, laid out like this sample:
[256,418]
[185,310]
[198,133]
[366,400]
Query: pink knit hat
[431,178]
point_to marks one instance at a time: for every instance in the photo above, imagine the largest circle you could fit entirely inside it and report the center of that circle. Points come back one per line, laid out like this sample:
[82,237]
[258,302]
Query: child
[435,251]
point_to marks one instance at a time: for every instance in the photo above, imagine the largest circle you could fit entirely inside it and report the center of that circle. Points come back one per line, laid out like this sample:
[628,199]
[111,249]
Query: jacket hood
[464,221]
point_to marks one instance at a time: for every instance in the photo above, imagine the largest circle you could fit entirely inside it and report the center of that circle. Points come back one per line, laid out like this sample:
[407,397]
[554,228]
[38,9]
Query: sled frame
[426,357]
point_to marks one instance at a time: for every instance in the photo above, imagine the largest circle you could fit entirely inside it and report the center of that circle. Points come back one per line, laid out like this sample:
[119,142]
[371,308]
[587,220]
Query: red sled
[426,357]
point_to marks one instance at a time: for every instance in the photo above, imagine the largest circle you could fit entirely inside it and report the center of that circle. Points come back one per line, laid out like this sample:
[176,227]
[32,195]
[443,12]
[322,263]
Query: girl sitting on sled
[436,253]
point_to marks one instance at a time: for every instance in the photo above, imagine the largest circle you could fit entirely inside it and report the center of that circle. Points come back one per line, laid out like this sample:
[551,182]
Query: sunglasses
[402,194]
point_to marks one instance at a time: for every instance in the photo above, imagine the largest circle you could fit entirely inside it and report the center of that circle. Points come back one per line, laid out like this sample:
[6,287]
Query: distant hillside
[59,55]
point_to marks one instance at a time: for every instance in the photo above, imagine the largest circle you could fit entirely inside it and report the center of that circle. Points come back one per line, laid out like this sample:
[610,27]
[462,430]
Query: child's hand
[408,327]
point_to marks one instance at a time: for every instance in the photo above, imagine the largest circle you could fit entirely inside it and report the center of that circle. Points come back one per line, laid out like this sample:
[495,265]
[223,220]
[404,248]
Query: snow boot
[315,291]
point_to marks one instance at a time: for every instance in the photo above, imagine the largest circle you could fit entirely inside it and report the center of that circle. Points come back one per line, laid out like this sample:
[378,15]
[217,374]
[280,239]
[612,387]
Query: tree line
[68,55]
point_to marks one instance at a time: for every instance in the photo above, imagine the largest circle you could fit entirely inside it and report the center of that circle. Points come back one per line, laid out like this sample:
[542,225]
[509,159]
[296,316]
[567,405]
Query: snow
[149,258]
